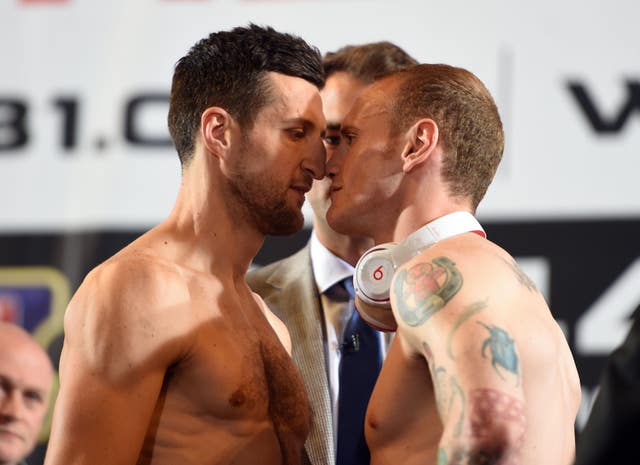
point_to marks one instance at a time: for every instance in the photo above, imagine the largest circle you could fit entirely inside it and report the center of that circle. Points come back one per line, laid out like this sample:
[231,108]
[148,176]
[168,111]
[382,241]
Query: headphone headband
[437,230]
[375,269]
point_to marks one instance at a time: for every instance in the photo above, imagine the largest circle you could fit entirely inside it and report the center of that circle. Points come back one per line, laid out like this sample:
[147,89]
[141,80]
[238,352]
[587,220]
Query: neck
[211,236]
[413,215]
[348,248]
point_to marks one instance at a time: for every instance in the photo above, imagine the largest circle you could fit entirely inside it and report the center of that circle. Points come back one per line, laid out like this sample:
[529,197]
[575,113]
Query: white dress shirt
[328,270]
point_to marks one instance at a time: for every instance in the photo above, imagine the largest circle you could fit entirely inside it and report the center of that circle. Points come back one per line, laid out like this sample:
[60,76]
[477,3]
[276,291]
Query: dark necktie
[359,367]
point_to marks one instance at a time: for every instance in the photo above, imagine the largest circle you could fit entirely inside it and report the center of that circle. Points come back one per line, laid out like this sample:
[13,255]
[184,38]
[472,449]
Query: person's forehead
[24,378]
[341,90]
[343,81]
[24,362]
[293,96]
[372,103]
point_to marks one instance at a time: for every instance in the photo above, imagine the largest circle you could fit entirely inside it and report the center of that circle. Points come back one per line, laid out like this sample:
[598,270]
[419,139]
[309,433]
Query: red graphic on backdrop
[10,310]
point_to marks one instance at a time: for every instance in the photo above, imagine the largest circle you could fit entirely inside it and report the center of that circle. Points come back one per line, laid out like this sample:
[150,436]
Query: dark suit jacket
[288,288]
[612,432]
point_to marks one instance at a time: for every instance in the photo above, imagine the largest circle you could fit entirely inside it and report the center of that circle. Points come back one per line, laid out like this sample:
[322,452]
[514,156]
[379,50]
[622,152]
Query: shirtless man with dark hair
[169,358]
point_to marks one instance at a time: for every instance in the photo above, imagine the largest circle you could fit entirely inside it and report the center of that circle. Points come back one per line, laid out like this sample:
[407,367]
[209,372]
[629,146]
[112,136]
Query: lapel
[295,300]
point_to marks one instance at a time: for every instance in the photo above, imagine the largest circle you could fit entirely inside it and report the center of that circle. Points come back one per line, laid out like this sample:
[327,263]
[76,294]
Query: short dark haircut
[469,124]
[367,62]
[228,69]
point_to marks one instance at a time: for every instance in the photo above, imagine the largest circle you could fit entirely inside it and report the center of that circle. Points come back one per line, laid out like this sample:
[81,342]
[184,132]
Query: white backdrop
[75,65]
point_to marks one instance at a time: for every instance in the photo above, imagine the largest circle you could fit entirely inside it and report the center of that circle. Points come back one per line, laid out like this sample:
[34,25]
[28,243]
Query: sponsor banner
[83,138]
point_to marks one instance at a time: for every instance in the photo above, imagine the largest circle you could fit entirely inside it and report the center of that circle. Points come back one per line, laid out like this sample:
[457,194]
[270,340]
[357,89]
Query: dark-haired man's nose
[314,163]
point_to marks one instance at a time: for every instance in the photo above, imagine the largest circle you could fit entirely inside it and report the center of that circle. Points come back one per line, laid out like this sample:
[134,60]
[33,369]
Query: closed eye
[296,133]
[348,137]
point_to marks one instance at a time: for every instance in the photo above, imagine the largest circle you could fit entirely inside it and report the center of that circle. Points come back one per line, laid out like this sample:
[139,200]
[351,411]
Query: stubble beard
[262,201]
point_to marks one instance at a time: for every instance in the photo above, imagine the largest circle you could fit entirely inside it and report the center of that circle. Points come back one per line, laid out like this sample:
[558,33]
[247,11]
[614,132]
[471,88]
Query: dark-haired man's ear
[423,139]
[215,130]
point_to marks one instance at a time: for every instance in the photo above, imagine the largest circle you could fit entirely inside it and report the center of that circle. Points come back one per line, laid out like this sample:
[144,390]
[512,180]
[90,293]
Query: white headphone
[375,269]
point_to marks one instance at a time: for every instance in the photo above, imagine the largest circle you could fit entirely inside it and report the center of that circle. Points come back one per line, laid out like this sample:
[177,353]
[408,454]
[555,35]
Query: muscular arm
[472,357]
[116,350]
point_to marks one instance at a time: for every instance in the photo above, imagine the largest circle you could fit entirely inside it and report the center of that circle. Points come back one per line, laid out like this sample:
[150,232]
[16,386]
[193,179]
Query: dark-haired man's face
[366,172]
[281,155]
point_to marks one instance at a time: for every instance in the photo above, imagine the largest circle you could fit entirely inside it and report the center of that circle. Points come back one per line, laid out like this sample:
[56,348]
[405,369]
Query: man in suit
[307,290]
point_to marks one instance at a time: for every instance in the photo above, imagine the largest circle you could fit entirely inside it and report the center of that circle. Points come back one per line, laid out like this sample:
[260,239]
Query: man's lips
[301,188]
[5,433]
[301,191]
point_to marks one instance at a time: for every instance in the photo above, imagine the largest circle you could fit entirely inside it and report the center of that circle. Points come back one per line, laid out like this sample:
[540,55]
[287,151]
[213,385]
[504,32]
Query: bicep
[477,377]
[96,421]
[448,312]
[106,397]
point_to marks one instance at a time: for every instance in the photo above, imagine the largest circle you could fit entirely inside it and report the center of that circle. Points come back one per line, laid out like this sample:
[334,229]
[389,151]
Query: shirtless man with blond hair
[479,371]
[169,358]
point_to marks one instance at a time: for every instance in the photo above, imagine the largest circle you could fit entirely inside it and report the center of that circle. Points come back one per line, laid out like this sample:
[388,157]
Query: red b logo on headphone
[378,274]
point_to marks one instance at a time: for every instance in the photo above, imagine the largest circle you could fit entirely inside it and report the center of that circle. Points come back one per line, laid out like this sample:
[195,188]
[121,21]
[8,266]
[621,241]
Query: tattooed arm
[465,338]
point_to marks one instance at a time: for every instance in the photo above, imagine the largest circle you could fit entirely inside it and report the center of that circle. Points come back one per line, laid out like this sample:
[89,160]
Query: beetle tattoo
[503,350]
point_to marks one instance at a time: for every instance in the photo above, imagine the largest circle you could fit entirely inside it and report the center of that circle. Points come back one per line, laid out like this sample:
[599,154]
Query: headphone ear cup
[373,274]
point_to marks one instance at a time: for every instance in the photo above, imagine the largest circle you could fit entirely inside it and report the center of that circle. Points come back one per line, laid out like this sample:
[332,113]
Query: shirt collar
[328,269]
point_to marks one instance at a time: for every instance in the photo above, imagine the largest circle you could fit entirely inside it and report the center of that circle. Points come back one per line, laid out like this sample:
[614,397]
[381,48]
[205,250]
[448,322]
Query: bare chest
[236,382]
[402,418]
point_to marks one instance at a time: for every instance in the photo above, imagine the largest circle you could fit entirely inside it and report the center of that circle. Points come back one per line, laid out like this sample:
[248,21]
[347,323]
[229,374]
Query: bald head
[15,340]
[26,376]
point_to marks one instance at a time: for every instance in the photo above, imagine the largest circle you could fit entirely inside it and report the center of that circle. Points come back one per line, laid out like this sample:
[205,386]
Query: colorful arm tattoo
[425,288]
[523,279]
[502,349]
[469,311]
[449,396]
[491,414]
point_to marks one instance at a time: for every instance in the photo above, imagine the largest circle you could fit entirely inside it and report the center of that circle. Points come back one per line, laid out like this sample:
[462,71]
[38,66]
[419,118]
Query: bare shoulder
[126,306]
[457,277]
[469,293]
[490,342]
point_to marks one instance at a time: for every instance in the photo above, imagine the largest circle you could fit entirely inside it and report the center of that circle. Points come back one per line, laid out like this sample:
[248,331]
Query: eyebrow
[41,392]
[4,380]
[301,121]
[346,129]
[333,126]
